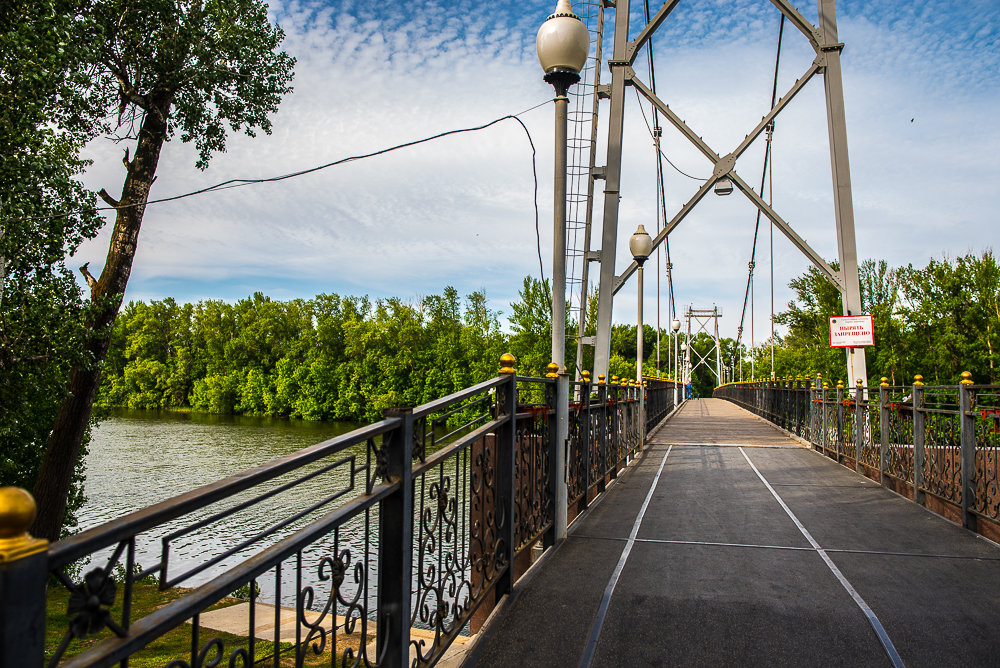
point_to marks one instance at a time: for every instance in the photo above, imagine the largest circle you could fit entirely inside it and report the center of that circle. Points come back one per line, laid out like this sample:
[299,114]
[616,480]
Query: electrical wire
[240,182]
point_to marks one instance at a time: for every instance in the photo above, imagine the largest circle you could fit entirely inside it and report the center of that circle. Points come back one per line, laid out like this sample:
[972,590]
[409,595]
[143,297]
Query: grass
[175,644]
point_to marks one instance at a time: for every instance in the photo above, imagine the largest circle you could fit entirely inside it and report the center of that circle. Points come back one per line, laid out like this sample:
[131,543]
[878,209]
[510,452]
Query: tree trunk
[63,447]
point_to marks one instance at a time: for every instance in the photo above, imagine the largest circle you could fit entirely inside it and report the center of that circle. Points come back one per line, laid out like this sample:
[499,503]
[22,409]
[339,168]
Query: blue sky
[921,88]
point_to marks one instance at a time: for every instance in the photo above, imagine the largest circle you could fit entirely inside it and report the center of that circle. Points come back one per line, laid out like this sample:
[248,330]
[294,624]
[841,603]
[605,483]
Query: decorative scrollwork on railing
[238,657]
[987,475]
[90,602]
[899,464]
[444,589]
[942,455]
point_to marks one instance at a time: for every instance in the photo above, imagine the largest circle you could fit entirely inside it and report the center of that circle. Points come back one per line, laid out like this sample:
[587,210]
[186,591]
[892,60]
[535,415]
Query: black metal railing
[938,445]
[413,529]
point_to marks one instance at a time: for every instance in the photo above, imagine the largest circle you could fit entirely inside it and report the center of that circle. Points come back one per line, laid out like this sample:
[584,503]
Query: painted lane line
[686,444]
[602,610]
[880,631]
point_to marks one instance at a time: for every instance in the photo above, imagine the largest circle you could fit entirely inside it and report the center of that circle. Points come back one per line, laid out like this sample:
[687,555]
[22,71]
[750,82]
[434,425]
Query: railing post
[797,396]
[918,441]
[506,444]
[562,444]
[603,425]
[550,449]
[559,436]
[859,428]
[585,434]
[840,422]
[967,399]
[395,554]
[23,574]
[883,428]
[822,415]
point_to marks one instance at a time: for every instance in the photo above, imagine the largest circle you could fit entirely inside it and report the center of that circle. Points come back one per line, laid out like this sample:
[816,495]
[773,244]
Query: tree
[531,322]
[160,66]
[44,215]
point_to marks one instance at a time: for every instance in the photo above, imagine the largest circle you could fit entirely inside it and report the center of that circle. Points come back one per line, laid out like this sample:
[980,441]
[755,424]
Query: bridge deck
[748,555]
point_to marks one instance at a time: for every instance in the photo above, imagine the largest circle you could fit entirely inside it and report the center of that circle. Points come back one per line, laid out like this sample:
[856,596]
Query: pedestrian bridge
[700,534]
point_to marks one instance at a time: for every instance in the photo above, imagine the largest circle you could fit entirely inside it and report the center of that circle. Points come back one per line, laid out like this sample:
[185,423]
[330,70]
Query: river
[139,458]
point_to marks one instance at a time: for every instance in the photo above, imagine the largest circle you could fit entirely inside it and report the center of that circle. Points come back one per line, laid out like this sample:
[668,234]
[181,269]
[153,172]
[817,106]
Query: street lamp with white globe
[641,245]
[563,44]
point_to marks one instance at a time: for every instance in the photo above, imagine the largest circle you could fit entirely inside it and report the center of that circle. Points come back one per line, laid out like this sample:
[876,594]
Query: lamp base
[561,79]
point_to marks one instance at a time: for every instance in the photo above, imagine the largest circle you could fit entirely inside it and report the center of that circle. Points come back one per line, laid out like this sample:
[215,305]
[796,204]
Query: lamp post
[685,355]
[641,246]
[675,325]
[563,44]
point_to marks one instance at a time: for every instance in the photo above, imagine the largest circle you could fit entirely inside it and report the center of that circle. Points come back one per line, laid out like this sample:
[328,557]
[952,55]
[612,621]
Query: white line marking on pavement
[880,631]
[595,628]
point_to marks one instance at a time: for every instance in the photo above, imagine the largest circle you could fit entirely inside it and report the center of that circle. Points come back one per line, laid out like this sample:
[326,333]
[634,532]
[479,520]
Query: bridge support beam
[620,72]
[857,368]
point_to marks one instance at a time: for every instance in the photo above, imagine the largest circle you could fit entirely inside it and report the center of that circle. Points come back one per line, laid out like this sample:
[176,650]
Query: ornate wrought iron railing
[414,528]
[937,445]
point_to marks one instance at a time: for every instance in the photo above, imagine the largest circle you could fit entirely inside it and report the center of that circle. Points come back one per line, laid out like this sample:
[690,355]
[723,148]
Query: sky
[921,86]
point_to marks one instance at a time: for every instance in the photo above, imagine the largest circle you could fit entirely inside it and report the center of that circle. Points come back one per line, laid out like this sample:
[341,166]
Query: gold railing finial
[17,512]
[966,378]
[506,364]
[918,380]
[552,370]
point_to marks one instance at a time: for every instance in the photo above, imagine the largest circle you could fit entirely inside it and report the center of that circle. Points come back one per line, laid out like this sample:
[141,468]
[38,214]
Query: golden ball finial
[614,380]
[966,378]
[840,384]
[552,370]
[859,383]
[918,380]
[600,379]
[506,364]
[17,512]
[884,382]
[585,375]
[826,385]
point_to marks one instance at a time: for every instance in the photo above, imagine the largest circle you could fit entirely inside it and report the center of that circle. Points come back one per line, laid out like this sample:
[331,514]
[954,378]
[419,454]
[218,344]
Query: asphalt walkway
[730,544]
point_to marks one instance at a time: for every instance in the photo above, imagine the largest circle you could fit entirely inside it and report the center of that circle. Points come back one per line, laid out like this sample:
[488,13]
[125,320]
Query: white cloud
[459,210]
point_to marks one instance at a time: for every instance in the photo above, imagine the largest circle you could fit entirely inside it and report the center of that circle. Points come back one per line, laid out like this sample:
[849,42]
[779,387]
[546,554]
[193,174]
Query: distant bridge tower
[705,319]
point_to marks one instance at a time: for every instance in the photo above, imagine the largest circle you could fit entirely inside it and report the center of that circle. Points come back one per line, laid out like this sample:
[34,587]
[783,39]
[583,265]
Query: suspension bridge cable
[763,180]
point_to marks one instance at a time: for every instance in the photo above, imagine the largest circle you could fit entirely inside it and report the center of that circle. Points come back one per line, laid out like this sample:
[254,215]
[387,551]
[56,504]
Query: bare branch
[91,281]
[112,202]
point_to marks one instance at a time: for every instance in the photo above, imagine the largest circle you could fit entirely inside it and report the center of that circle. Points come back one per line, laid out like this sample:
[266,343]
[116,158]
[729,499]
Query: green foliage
[45,213]
[331,357]
[937,321]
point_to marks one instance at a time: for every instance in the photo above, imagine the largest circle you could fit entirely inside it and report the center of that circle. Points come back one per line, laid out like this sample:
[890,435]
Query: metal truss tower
[704,318]
[824,42]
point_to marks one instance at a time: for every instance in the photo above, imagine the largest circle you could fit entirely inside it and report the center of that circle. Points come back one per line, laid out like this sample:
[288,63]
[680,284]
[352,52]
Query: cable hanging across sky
[241,182]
